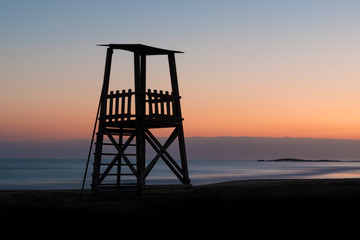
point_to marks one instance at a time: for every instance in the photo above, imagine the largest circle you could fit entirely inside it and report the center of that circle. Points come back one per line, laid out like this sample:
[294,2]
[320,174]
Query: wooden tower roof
[140,49]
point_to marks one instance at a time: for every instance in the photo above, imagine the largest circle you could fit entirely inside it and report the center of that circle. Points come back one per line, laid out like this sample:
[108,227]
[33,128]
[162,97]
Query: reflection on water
[248,169]
[68,173]
[342,175]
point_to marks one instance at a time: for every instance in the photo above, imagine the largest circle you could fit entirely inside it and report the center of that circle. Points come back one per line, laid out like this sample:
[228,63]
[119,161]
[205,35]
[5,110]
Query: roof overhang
[140,49]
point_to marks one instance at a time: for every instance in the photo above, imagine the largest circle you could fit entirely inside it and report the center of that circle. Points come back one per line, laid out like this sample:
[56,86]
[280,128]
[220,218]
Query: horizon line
[224,136]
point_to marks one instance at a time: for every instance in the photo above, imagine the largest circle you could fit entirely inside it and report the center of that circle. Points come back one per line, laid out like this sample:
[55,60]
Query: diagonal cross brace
[120,154]
[162,152]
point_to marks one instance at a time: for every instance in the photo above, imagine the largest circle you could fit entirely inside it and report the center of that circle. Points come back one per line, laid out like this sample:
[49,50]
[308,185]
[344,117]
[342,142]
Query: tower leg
[118,177]
[97,159]
[183,157]
[140,79]
[140,156]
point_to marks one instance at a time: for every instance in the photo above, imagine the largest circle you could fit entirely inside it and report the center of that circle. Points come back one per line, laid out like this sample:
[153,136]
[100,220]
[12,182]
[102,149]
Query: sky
[256,68]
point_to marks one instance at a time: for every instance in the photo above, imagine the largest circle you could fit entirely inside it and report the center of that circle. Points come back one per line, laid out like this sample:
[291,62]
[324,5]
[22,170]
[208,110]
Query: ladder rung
[117,130]
[121,185]
[117,134]
[115,164]
[110,144]
[122,174]
[115,174]
[114,154]
[105,144]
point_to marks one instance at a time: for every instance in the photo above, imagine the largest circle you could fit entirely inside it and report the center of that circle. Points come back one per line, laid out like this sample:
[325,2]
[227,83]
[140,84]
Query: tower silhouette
[125,123]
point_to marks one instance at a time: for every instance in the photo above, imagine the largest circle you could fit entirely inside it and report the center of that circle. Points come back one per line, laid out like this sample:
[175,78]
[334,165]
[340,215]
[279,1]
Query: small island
[305,160]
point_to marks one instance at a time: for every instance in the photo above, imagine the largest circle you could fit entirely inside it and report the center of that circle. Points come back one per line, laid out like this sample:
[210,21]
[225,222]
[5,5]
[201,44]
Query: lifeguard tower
[125,122]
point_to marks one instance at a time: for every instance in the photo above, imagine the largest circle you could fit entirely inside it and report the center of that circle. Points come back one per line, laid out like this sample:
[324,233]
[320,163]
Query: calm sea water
[37,174]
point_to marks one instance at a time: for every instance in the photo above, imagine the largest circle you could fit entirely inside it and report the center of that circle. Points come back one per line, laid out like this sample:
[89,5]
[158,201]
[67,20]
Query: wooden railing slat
[129,95]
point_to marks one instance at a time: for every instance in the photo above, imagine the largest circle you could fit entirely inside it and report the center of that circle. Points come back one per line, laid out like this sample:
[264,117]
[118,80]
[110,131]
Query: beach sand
[245,197]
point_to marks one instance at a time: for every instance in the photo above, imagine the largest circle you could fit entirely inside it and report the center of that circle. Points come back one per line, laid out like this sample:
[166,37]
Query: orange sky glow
[250,68]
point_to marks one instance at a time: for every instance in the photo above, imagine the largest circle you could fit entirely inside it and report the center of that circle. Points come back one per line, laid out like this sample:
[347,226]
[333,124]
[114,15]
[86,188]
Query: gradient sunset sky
[270,68]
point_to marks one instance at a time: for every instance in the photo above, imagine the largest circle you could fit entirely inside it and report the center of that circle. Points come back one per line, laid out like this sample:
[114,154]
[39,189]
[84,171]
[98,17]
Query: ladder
[115,159]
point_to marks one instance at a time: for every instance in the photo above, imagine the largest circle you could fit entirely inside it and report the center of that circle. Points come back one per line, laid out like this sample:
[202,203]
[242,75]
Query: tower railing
[159,106]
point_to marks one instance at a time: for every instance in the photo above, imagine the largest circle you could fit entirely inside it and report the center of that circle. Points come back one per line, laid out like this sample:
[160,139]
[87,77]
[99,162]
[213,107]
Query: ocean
[38,174]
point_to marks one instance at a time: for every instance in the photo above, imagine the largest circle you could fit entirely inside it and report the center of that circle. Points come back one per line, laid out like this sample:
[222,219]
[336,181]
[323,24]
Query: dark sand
[284,209]
[221,198]
[280,208]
